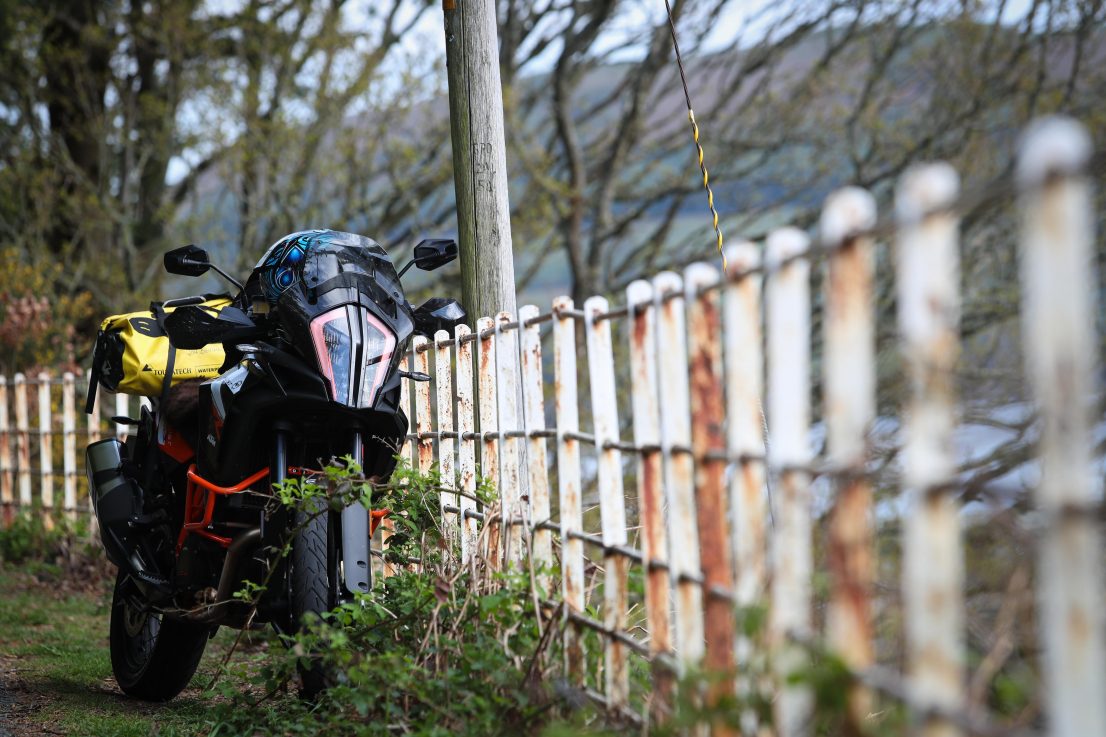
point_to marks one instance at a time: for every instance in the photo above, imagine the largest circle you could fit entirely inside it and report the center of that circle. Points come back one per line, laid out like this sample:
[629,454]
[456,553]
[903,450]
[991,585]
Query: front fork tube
[355,536]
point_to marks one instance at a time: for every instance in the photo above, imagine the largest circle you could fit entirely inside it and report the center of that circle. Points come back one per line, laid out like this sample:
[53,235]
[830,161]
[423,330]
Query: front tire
[153,657]
[309,586]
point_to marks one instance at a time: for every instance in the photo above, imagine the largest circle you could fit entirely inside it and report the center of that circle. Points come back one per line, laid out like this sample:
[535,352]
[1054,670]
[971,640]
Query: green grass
[54,653]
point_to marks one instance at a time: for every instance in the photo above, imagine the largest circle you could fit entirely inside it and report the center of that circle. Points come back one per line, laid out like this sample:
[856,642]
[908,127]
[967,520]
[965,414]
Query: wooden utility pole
[479,157]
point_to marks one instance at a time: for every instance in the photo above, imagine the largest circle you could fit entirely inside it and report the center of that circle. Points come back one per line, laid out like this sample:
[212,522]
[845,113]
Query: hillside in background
[754,168]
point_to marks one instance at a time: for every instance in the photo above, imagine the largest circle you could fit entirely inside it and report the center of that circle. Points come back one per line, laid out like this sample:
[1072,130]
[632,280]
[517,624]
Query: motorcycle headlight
[354,349]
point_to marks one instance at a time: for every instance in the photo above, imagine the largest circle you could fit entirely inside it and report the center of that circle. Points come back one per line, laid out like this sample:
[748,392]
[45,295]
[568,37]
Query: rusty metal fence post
[744,361]
[645,393]
[1058,311]
[708,443]
[612,503]
[788,334]
[488,411]
[46,450]
[929,319]
[424,418]
[534,422]
[850,406]
[510,455]
[466,439]
[69,444]
[22,441]
[675,414]
[443,381]
[568,481]
[7,470]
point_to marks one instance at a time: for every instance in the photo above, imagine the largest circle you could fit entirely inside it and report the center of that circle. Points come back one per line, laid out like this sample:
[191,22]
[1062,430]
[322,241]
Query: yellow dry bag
[132,354]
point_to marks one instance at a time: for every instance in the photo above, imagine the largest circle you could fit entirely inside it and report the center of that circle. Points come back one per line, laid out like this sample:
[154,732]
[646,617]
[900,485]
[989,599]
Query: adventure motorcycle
[313,343]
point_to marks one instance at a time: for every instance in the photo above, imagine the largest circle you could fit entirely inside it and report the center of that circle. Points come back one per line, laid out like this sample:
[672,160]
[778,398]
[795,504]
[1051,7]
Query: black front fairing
[297,307]
[330,271]
[336,269]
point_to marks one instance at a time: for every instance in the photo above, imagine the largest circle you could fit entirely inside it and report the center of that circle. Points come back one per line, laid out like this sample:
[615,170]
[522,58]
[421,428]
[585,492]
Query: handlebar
[184,301]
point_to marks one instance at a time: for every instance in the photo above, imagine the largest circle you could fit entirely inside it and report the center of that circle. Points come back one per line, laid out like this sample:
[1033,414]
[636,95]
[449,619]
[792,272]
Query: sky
[741,19]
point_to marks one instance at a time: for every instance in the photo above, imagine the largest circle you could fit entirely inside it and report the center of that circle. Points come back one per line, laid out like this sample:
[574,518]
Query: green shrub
[28,538]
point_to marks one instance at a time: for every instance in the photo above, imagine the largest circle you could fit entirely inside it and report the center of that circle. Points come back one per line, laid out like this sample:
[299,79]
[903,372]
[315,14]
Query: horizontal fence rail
[670,441]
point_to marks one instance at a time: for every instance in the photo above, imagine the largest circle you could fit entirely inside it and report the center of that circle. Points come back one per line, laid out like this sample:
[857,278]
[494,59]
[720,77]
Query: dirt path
[55,670]
[18,703]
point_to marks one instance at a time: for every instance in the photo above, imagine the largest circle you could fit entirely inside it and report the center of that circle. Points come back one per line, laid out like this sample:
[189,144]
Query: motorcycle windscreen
[354,349]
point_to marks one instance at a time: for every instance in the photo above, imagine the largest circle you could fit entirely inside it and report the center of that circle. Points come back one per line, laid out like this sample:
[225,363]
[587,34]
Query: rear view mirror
[433,253]
[438,313]
[187,261]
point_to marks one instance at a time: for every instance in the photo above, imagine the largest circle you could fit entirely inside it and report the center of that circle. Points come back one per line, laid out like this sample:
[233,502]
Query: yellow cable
[695,136]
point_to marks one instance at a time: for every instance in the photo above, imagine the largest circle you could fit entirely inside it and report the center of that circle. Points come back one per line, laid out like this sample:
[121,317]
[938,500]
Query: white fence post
[788,335]
[466,442]
[534,411]
[507,392]
[744,359]
[23,442]
[423,420]
[7,472]
[69,443]
[388,525]
[93,420]
[122,409]
[929,319]
[675,412]
[568,481]
[708,442]
[645,391]
[46,449]
[443,379]
[850,408]
[486,397]
[612,502]
[424,445]
[1057,247]
[93,428]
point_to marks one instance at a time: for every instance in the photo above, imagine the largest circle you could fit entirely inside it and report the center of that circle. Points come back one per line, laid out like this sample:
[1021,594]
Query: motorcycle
[313,345]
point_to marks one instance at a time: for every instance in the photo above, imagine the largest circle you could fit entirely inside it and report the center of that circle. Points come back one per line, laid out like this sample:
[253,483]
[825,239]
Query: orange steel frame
[199,504]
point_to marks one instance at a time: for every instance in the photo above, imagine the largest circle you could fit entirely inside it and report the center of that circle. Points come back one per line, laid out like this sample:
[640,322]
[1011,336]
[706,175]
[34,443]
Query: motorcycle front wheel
[309,586]
[153,657]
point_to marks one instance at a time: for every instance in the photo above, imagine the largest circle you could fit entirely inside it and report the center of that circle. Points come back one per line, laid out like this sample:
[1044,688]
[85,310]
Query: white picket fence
[713,372]
[720,448]
[29,477]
